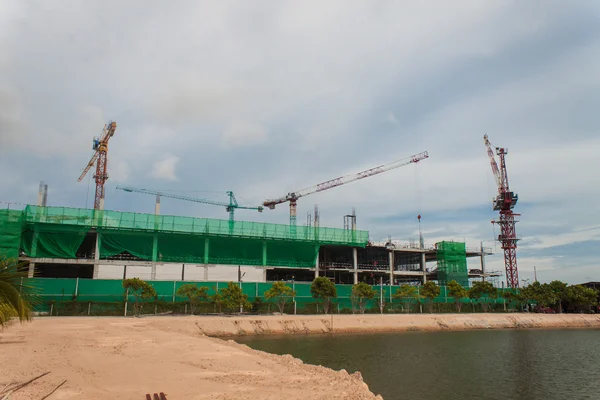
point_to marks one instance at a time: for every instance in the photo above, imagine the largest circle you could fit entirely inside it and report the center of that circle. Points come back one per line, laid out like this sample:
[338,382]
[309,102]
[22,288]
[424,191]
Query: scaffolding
[452,263]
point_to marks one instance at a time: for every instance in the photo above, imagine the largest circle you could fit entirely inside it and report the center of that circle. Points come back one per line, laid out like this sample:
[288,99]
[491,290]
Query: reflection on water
[502,364]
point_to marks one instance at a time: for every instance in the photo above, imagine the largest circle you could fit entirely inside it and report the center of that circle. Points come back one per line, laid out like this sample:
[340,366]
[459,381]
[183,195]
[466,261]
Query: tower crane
[100,146]
[230,207]
[504,202]
[293,197]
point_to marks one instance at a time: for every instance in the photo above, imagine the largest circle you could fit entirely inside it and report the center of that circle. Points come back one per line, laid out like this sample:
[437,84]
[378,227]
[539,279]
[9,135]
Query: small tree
[512,297]
[196,295]
[217,300]
[139,289]
[407,293]
[484,292]
[430,291]
[580,296]
[280,292]
[361,292]
[323,289]
[458,292]
[561,293]
[234,298]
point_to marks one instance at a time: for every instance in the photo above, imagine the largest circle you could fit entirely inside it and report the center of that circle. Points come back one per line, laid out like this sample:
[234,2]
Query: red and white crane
[504,202]
[100,146]
[293,197]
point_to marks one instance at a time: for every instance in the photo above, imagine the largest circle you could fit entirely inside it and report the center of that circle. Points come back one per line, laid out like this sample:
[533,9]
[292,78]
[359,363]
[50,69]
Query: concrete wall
[191,272]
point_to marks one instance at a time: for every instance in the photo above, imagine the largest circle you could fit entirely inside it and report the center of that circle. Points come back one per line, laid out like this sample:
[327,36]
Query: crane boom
[494,165]
[230,207]
[292,197]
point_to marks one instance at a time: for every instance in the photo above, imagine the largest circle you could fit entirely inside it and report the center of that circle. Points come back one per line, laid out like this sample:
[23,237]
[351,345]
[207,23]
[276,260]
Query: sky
[267,97]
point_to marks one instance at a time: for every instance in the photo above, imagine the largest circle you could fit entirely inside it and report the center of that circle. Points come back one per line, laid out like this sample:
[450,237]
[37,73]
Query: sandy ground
[125,358]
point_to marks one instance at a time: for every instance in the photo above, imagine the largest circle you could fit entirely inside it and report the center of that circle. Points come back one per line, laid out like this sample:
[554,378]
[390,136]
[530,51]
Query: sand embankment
[304,324]
[126,358]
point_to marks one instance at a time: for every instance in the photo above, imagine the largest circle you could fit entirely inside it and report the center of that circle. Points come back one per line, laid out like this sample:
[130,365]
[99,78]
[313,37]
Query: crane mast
[293,197]
[100,158]
[504,203]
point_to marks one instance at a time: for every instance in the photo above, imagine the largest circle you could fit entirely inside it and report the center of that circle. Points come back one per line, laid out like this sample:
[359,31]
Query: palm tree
[15,298]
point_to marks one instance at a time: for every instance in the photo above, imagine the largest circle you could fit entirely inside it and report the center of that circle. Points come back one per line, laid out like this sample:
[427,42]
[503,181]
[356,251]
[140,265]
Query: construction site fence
[58,296]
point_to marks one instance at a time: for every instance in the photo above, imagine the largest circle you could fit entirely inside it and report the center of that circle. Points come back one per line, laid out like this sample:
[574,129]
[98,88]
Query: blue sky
[266,97]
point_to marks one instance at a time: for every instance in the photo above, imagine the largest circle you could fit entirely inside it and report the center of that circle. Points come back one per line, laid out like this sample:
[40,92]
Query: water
[482,365]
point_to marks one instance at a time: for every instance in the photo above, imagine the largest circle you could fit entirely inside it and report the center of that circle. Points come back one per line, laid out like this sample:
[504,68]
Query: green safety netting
[235,251]
[291,254]
[452,263]
[10,233]
[181,248]
[52,241]
[114,242]
[213,227]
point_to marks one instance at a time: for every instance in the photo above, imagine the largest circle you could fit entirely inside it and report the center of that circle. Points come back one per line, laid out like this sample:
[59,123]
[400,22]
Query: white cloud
[165,169]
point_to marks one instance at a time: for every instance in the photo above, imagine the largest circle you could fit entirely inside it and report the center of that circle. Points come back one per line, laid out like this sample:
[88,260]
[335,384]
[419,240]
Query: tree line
[17,299]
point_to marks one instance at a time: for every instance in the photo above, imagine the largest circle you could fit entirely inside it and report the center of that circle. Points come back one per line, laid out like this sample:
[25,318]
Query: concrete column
[153,272]
[206,248]
[391,268]
[482,263]
[423,267]
[264,253]
[317,263]
[205,278]
[155,248]
[31,271]
[96,257]
[183,272]
[355,264]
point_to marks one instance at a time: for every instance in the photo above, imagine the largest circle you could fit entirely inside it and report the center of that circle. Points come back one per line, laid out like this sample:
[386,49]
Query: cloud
[244,134]
[264,99]
[165,169]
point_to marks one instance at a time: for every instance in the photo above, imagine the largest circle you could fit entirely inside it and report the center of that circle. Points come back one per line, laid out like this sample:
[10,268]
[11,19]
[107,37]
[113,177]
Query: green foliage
[542,294]
[280,292]
[257,304]
[139,289]
[581,296]
[217,300]
[15,299]
[323,289]
[234,298]
[458,292]
[430,291]
[195,295]
[361,292]
[484,292]
[407,294]
[561,293]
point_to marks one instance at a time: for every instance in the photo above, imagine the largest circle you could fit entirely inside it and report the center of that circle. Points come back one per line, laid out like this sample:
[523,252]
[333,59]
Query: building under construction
[59,242]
